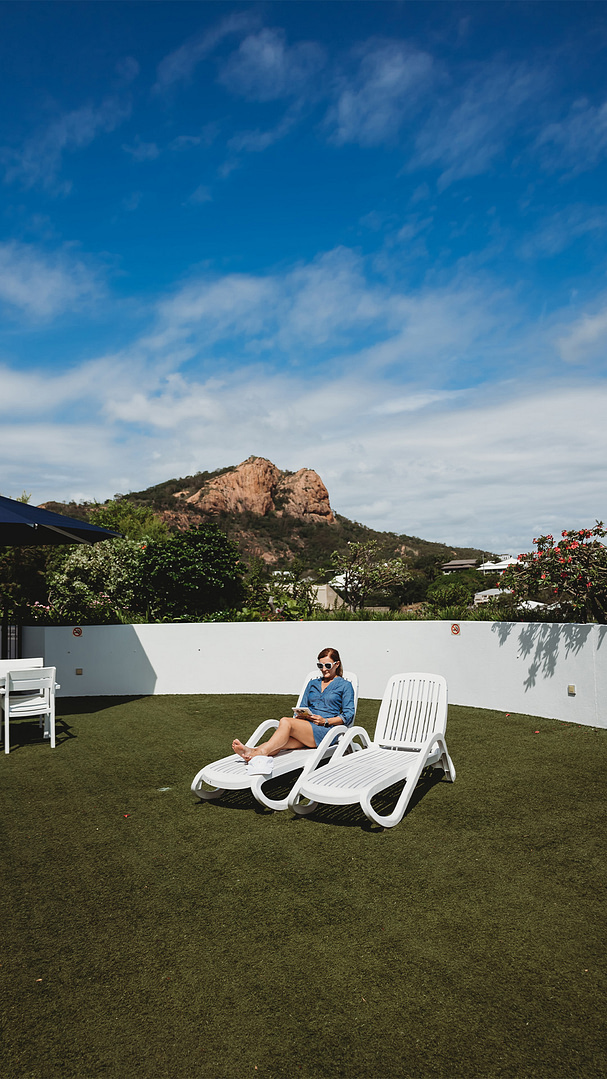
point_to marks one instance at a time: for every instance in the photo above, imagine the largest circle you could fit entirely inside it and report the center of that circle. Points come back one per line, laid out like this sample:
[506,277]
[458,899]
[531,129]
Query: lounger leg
[302,809]
[200,792]
[208,796]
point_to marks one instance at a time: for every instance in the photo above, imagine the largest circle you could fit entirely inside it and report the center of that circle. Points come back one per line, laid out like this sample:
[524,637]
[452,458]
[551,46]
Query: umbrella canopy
[22,525]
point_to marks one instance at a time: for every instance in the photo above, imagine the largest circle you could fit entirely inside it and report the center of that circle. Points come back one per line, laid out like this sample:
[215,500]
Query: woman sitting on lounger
[330,703]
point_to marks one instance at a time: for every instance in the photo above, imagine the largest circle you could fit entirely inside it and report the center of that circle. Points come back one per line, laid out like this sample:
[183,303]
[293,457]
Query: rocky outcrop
[305,495]
[258,486]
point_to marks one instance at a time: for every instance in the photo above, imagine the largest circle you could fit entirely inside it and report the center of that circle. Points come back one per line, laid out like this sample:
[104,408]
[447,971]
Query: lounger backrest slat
[413,707]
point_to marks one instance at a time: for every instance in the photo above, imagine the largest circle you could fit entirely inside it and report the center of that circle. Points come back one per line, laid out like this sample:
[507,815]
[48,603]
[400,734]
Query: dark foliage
[190,575]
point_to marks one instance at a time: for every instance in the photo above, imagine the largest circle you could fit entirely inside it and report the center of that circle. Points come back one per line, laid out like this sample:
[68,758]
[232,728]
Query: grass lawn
[147,934]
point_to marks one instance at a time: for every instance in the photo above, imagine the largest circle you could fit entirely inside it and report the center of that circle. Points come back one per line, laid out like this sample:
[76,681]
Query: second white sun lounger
[409,736]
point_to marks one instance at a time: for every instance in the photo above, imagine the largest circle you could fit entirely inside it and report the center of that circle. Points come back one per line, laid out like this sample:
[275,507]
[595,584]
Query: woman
[330,700]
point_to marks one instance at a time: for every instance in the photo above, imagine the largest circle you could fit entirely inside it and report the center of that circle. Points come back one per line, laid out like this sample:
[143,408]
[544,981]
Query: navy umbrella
[22,525]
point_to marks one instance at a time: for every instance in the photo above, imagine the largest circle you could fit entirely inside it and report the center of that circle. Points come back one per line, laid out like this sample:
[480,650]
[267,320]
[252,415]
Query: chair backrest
[348,675]
[41,678]
[7,665]
[413,707]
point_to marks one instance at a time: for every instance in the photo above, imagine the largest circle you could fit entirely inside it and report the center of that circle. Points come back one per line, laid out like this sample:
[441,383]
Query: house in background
[457,564]
[327,597]
[499,566]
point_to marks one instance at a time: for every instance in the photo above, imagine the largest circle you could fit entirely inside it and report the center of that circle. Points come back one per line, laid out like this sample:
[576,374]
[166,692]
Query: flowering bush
[83,608]
[570,574]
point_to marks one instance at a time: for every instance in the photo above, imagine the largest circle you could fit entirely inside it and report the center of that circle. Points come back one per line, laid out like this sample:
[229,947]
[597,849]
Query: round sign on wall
[454,629]
[77,632]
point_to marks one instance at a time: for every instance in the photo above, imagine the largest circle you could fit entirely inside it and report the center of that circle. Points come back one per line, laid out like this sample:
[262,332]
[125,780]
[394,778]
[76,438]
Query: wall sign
[77,632]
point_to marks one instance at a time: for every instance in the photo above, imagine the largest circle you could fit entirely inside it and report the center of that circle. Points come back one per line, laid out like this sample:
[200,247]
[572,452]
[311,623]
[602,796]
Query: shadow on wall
[112,659]
[542,641]
[119,661]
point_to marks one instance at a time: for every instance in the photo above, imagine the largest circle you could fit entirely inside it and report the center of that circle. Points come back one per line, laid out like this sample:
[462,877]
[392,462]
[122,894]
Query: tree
[364,572]
[192,574]
[134,522]
[570,574]
[94,584]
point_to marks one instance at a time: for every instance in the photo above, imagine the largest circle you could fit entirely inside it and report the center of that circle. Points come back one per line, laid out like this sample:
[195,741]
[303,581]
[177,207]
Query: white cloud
[585,340]
[41,285]
[39,159]
[371,106]
[265,68]
[399,426]
[491,472]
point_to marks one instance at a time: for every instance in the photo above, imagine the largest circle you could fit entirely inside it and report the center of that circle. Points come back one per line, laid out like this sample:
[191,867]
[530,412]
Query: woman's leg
[291,734]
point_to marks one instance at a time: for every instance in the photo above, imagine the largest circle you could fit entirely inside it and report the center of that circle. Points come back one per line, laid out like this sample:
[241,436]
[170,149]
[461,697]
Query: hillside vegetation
[276,536]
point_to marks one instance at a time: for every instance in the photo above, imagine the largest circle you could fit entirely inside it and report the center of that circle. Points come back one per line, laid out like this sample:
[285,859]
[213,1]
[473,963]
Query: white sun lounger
[231,773]
[409,736]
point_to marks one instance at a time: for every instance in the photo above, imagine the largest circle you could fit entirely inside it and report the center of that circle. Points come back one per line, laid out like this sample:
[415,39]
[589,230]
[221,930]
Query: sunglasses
[325,666]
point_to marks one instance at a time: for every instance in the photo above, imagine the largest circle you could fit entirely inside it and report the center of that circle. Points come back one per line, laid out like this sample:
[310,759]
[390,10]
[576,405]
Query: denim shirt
[336,700]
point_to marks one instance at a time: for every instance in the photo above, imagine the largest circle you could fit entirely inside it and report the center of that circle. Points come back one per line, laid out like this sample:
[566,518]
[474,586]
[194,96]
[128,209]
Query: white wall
[509,666]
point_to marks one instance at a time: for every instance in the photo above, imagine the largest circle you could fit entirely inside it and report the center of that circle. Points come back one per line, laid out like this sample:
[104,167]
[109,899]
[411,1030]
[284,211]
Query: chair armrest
[348,738]
[317,755]
[267,725]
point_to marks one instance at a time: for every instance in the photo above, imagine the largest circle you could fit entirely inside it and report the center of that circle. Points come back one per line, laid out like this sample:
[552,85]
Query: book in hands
[302,712]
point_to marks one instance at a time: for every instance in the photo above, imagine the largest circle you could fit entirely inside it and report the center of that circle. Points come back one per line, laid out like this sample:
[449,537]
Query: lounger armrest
[316,756]
[348,738]
[258,733]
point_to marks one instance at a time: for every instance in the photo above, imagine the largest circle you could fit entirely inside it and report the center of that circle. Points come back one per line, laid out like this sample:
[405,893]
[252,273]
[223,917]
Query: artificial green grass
[147,934]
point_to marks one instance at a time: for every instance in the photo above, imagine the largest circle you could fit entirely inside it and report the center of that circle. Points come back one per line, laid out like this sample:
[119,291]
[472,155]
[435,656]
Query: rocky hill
[274,515]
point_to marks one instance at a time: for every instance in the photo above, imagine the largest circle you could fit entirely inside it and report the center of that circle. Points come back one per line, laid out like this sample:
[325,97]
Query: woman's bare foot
[243,751]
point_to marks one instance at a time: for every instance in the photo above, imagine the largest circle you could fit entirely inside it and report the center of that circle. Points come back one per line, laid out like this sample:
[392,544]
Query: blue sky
[364,238]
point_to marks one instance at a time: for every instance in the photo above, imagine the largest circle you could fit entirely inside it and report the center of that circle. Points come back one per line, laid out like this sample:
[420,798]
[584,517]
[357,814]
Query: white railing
[509,666]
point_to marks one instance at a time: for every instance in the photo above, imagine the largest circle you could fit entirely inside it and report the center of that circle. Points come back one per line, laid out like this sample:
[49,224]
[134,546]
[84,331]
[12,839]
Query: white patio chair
[230,773]
[7,665]
[409,736]
[29,692]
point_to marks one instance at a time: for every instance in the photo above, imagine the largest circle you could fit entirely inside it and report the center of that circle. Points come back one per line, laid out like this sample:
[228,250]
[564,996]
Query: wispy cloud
[200,195]
[41,285]
[560,230]
[265,68]
[179,65]
[142,151]
[257,141]
[578,142]
[372,104]
[464,139]
[39,160]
